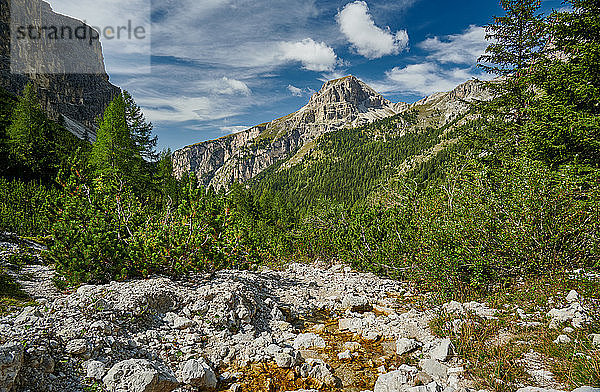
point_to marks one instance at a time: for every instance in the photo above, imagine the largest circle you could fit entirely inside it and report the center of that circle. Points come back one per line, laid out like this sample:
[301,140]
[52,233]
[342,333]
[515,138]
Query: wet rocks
[319,370]
[308,340]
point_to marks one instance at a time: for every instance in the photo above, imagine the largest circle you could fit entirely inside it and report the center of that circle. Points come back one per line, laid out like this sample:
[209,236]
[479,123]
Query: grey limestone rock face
[241,156]
[11,360]
[77,97]
[341,103]
[139,375]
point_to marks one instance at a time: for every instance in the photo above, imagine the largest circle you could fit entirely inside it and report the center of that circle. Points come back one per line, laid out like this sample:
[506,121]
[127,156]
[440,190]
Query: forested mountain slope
[347,165]
[239,157]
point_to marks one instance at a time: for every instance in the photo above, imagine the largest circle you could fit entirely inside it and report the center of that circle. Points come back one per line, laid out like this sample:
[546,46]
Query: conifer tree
[166,181]
[140,129]
[565,117]
[517,39]
[114,152]
[28,133]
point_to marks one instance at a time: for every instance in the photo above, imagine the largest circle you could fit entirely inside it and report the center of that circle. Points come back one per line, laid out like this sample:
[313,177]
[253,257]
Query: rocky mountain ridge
[341,103]
[76,98]
[239,157]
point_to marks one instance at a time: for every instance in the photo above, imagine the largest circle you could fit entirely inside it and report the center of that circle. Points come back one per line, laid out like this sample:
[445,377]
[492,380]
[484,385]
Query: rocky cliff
[239,157]
[346,102]
[78,98]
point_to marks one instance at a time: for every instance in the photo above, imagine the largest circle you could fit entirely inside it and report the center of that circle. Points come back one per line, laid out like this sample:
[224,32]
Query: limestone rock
[94,369]
[438,371]
[285,360]
[404,346]
[308,340]
[345,355]
[586,389]
[562,339]
[11,361]
[79,98]
[76,347]
[355,303]
[431,387]
[573,296]
[197,373]
[443,351]
[319,370]
[397,380]
[139,375]
[574,313]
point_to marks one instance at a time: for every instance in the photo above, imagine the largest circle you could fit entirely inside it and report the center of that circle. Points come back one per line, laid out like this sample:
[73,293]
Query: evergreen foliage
[510,190]
[517,40]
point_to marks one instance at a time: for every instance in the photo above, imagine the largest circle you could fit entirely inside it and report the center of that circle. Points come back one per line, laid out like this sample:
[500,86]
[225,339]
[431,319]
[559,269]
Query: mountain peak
[340,103]
[349,90]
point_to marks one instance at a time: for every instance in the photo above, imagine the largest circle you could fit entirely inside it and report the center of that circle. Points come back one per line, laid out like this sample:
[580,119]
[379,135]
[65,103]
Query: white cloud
[463,48]
[299,92]
[368,40]
[425,79]
[336,74]
[173,109]
[227,130]
[230,33]
[314,56]
[232,87]
[449,61]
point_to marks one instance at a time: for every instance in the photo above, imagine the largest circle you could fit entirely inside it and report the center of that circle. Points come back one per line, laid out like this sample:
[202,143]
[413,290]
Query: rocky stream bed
[314,327]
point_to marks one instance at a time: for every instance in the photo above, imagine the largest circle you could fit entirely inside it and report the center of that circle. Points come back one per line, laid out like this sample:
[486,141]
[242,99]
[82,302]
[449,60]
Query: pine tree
[517,39]
[114,152]
[140,129]
[565,117]
[167,183]
[28,134]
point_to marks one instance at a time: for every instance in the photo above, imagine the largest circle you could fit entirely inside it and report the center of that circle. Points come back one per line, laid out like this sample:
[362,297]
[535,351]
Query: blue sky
[218,66]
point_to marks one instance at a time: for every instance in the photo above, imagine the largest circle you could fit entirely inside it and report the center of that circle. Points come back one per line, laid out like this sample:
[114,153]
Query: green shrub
[478,227]
[105,232]
[26,208]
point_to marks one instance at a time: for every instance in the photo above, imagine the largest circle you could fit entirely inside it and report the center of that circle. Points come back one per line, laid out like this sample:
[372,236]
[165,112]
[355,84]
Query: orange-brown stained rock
[357,374]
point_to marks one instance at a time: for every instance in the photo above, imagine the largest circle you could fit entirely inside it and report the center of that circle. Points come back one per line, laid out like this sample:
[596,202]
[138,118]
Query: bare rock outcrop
[239,157]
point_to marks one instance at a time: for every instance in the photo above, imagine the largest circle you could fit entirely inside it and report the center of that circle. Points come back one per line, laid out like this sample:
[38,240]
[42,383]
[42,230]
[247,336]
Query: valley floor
[301,327]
